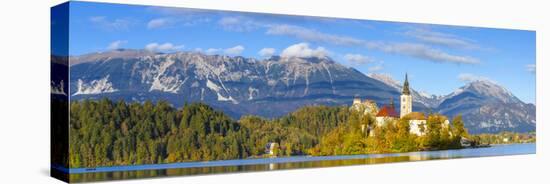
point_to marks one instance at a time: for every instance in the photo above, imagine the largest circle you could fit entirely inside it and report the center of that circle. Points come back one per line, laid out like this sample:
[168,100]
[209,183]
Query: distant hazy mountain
[275,86]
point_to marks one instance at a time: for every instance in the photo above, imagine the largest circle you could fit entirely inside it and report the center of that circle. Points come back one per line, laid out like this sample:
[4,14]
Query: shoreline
[259,161]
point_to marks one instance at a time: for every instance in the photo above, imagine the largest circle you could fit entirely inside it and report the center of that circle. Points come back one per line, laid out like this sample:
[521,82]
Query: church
[386,114]
[417,120]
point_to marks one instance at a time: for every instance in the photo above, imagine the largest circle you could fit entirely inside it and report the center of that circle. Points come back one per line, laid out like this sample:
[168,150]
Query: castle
[367,106]
[417,120]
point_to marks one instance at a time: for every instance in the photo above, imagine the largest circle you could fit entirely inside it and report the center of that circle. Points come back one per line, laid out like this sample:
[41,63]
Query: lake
[281,163]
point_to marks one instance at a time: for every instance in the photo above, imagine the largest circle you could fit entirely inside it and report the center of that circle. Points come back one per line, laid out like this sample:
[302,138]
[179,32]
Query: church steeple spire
[406,90]
[406,98]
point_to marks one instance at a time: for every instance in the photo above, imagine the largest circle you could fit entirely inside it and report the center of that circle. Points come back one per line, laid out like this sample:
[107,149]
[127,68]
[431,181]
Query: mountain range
[485,106]
[275,86]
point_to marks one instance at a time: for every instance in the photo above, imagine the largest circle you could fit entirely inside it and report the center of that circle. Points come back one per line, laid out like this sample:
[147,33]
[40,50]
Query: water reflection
[86,177]
[330,162]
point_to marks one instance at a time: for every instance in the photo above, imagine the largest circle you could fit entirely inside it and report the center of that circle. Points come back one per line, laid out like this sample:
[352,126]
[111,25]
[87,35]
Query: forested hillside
[107,133]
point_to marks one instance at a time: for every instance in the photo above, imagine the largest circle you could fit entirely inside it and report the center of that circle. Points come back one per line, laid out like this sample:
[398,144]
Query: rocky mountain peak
[488,89]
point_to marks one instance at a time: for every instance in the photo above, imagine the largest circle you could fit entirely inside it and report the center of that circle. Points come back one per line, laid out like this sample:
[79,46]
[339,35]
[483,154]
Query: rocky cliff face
[237,85]
[488,107]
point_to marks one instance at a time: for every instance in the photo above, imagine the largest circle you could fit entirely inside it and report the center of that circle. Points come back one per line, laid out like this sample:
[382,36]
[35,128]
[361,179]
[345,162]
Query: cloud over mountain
[303,50]
[116,44]
[165,47]
[266,52]
[236,50]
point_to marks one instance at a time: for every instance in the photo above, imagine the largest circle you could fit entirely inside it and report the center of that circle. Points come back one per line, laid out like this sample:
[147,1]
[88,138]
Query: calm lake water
[266,164]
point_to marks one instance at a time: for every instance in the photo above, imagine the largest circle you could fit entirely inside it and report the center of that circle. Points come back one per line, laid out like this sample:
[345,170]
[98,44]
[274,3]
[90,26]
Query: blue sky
[438,59]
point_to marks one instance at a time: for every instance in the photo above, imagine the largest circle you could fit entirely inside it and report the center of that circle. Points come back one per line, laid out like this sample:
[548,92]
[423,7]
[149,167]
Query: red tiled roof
[387,111]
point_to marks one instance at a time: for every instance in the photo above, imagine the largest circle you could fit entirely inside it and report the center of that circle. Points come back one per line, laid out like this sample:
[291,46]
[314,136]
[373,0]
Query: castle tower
[406,98]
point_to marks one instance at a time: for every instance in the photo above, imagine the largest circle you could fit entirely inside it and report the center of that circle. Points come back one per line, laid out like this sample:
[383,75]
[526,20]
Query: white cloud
[236,50]
[229,21]
[303,50]
[181,16]
[178,11]
[238,24]
[357,59]
[468,77]
[311,35]
[375,68]
[116,44]
[211,51]
[444,39]
[158,23]
[175,20]
[266,52]
[119,24]
[409,49]
[97,18]
[165,47]
[425,52]
[415,50]
[531,68]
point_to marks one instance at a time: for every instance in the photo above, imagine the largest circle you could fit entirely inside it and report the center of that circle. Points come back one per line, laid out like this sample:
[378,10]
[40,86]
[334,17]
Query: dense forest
[107,133]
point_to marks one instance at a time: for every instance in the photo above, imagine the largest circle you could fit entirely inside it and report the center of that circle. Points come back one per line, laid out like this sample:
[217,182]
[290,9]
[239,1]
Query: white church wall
[415,126]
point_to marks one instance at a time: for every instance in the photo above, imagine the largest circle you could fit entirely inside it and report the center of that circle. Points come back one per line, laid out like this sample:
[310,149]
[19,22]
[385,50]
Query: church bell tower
[406,99]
